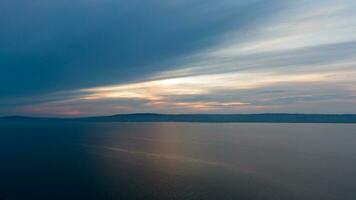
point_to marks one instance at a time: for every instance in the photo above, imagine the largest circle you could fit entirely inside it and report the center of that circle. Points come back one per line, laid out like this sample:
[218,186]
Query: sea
[183,161]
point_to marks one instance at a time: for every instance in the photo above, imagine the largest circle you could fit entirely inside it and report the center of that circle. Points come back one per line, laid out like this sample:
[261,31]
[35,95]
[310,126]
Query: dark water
[177,161]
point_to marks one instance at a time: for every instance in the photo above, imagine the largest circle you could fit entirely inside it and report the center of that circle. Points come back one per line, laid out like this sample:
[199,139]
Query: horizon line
[172,114]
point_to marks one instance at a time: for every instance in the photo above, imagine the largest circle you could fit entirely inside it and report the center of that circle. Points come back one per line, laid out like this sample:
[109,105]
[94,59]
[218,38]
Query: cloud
[299,59]
[56,45]
[231,92]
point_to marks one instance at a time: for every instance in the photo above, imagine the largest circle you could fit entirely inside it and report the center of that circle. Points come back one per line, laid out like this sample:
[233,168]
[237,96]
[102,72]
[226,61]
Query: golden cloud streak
[157,90]
[197,105]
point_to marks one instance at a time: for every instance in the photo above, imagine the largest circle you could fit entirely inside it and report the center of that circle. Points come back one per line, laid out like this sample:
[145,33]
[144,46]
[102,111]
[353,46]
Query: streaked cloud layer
[217,57]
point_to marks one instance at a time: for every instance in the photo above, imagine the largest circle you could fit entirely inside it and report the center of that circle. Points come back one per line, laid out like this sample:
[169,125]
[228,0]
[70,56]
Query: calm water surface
[254,161]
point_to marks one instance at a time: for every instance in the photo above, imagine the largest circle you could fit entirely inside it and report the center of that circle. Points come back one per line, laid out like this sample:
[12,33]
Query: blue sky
[97,57]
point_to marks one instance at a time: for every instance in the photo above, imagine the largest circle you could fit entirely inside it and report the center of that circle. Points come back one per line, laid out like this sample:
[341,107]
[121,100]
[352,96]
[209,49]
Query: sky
[71,58]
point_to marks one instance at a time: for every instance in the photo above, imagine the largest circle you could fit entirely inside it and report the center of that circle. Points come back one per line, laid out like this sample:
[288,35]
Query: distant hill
[217,118]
